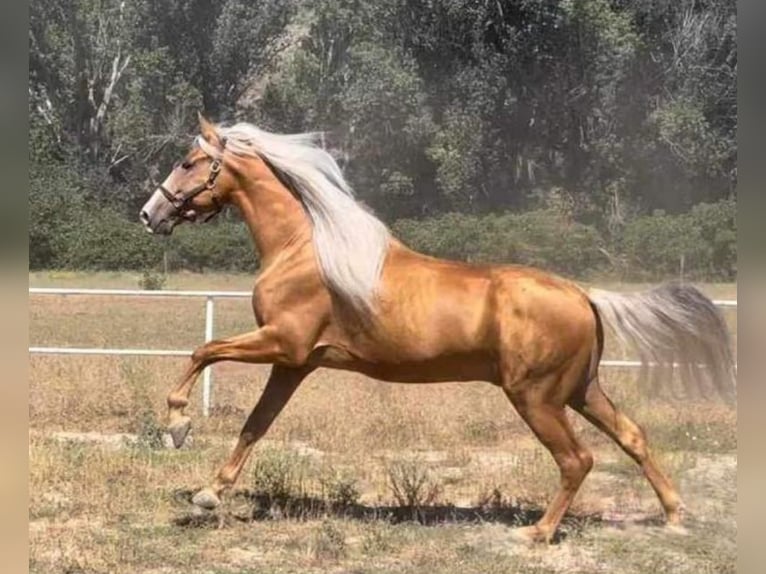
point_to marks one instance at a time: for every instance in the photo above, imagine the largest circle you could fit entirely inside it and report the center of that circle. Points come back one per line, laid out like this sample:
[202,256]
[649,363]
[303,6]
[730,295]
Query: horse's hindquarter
[447,321]
[545,323]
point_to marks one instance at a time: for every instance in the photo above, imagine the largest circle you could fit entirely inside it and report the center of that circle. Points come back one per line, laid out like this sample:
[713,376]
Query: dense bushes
[698,245]
[537,238]
[701,244]
[224,245]
[102,239]
[558,125]
[75,224]
[75,228]
[71,227]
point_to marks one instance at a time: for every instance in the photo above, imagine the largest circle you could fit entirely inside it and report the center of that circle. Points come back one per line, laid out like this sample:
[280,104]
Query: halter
[180,200]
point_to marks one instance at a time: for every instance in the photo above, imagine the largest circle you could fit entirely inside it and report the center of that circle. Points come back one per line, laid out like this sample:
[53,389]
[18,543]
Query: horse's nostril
[144,217]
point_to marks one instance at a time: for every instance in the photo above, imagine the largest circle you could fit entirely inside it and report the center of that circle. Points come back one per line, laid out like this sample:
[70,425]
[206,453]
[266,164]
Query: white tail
[673,327]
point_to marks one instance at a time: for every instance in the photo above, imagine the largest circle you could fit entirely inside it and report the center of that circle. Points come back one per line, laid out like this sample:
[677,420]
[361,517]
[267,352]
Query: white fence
[209,297]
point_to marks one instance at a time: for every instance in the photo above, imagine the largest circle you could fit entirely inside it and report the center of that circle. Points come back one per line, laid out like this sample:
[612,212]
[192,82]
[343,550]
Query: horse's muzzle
[158,215]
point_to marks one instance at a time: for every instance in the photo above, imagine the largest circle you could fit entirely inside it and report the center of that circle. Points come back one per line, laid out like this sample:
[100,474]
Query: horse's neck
[273,214]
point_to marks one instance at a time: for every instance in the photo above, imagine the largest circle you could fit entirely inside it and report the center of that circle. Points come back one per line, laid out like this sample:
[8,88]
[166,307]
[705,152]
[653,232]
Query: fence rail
[209,297]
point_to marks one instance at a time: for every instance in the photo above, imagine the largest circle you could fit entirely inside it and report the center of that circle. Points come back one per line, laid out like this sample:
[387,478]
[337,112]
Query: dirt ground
[355,476]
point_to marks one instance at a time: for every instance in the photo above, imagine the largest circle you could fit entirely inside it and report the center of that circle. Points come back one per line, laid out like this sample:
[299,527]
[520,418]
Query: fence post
[207,374]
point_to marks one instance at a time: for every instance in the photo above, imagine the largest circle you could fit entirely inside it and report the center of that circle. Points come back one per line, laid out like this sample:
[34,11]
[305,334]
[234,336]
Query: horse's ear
[207,129]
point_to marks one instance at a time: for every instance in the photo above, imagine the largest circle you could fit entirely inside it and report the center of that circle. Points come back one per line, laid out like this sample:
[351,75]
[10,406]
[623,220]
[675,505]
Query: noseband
[181,199]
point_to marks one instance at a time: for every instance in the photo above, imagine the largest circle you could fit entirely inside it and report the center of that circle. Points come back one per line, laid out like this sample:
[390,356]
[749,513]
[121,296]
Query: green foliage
[225,245]
[649,247]
[699,244]
[279,474]
[684,132]
[439,112]
[542,238]
[152,280]
[105,239]
[717,224]
[340,489]
[457,151]
[658,245]
[73,226]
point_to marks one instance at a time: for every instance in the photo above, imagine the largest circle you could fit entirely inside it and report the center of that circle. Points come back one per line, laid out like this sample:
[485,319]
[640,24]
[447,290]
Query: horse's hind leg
[595,406]
[537,404]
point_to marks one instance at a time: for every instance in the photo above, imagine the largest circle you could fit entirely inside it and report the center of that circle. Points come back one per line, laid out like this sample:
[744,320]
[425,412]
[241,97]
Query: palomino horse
[336,290]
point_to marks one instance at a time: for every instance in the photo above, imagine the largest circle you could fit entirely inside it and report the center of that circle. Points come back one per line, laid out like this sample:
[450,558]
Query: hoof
[179,430]
[206,499]
[530,535]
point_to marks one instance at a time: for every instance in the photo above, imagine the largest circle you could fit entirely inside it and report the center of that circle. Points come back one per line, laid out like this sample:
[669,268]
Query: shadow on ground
[247,506]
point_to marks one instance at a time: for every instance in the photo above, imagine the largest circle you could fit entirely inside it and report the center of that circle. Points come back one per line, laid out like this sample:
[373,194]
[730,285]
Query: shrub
[74,225]
[701,243]
[54,203]
[411,483]
[659,245]
[717,224]
[327,542]
[339,489]
[280,474]
[543,238]
[452,236]
[77,221]
[223,245]
[104,239]
[152,280]
[547,240]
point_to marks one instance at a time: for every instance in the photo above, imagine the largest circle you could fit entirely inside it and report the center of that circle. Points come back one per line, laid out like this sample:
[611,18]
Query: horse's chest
[269,301]
[279,298]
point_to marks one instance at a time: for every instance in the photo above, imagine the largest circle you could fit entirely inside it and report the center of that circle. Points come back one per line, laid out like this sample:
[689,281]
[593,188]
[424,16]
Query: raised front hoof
[530,535]
[206,499]
[179,430]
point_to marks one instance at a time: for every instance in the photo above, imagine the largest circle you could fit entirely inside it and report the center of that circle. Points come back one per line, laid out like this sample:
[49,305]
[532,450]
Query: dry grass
[114,503]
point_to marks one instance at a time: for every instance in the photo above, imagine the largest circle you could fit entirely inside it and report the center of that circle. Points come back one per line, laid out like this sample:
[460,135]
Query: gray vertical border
[14,218]
[751,225]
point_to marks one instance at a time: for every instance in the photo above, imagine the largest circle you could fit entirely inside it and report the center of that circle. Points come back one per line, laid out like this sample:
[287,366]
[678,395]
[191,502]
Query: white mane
[350,242]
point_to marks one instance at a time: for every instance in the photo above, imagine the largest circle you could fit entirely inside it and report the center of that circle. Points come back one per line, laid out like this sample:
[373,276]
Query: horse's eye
[186,165]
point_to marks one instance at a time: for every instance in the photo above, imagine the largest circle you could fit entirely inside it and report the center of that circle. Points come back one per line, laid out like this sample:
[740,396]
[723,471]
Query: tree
[78,56]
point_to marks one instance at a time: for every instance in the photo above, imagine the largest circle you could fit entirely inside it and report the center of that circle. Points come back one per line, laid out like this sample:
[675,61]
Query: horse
[335,289]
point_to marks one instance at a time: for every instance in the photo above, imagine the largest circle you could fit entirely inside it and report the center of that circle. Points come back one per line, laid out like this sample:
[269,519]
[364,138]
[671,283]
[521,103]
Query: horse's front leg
[261,346]
[280,387]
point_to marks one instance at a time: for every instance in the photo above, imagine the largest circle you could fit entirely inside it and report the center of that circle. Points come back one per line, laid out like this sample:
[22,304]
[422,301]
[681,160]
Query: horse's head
[196,189]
